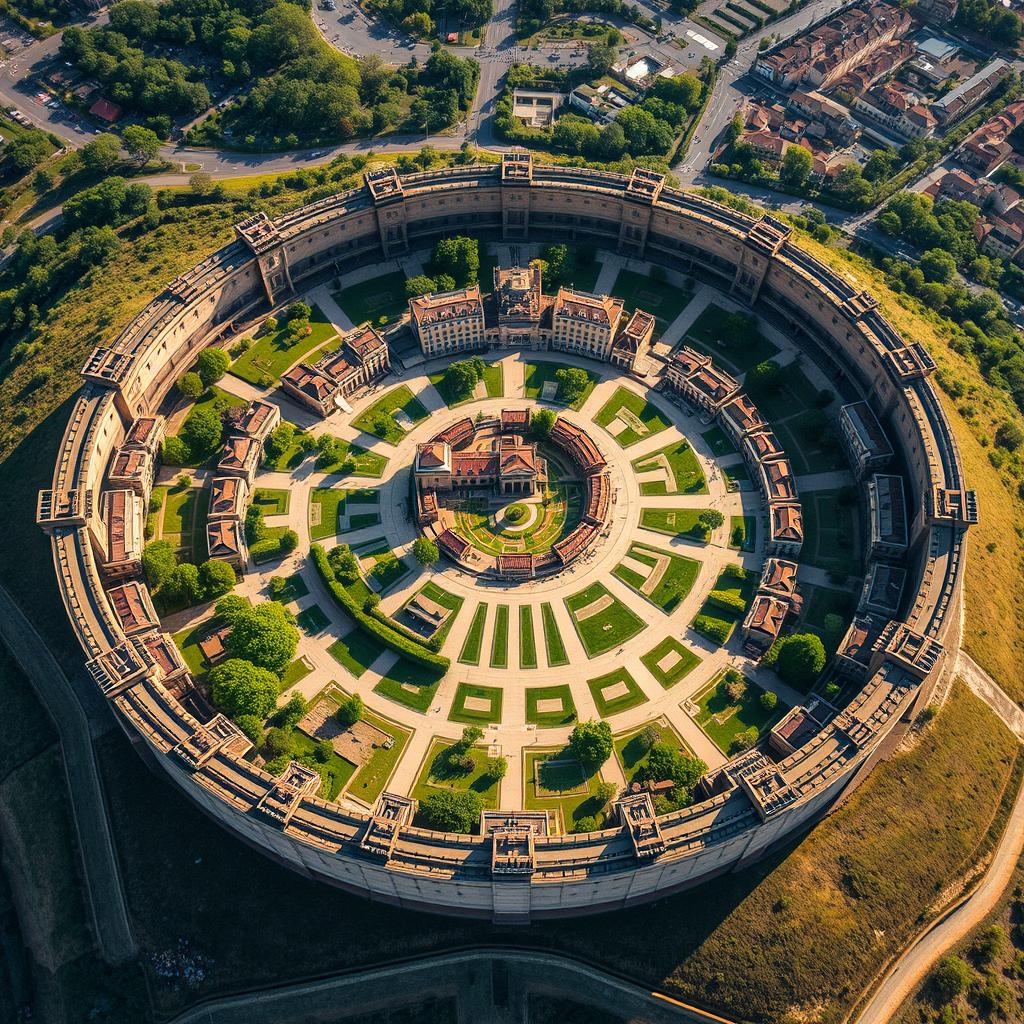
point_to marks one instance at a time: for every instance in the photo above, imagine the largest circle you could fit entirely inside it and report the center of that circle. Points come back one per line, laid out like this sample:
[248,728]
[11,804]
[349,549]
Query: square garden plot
[670,661]
[615,691]
[312,620]
[553,780]
[672,470]
[437,774]
[658,576]
[724,719]
[675,522]
[430,612]
[356,651]
[550,707]
[832,532]
[335,510]
[378,297]
[409,683]
[662,300]
[476,705]
[630,418]
[601,620]
[391,415]
[713,333]
[632,750]
[537,374]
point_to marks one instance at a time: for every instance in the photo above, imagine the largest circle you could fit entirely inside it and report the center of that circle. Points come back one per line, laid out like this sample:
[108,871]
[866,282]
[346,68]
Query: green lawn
[722,719]
[705,336]
[220,401]
[719,442]
[476,715]
[736,476]
[273,352]
[712,615]
[601,631]
[338,770]
[274,501]
[470,653]
[677,579]
[386,572]
[632,751]
[674,522]
[580,271]
[670,661]
[184,522]
[272,552]
[659,298]
[615,691]
[436,774]
[356,651]
[499,641]
[630,418]
[822,602]
[366,463]
[312,620]
[450,601]
[493,383]
[679,471]
[810,442]
[547,716]
[832,534]
[565,790]
[527,640]
[743,533]
[336,502]
[382,296]
[379,419]
[795,395]
[295,673]
[410,683]
[536,374]
[553,646]
[294,588]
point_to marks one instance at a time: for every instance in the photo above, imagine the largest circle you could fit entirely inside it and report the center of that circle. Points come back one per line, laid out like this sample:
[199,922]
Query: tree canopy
[239,687]
[591,742]
[801,657]
[266,635]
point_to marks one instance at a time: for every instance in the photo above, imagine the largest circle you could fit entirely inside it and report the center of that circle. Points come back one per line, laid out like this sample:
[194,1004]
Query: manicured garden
[330,510]
[662,300]
[601,620]
[630,418]
[679,471]
[274,351]
[471,646]
[633,751]
[527,639]
[550,707]
[379,418]
[469,704]
[667,580]
[370,300]
[273,501]
[555,781]
[706,335]
[493,381]
[553,645]
[832,534]
[537,374]
[615,691]
[499,639]
[356,651]
[670,661]
[675,522]
[438,773]
[409,683]
[724,718]
[726,605]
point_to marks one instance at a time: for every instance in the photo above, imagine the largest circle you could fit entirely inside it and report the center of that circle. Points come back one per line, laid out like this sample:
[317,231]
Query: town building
[602,102]
[513,467]
[959,102]
[519,303]
[987,146]
[785,529]
[739,418]
[633,341]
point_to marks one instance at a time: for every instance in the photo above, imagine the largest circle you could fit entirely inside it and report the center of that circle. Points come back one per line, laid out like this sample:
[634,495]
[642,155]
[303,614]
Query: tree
[495,768]
[764,378]
[572,383]
[710,519]
[299,311]
[287,542]
[183,584]
[43,181]
[425,551]
[541,423]
[452,810]
[591,742]
[418,285]
[600,58]
[265,635]
[461,376]
[231,606]
[796,166]
[202,432]
[291,714]
[252,727]
[801,659]
[216,578]
[458,257]
[211,365]
[239,687]
[350,710]
[142,144]
[278,743]
[190,385]
[605,791]
[200,183]
[668,763]
[937,265]
[769,699]
[471,735]
[1009,435]
[158,563]
[344,563]
[734,685]
[101,154]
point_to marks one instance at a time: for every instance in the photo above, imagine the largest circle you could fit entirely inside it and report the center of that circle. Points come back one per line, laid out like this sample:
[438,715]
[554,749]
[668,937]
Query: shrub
[251,726]
[350,710]
[714,629]
[495,768]
[769,700]
[174,452]
[589,823]
[216,578]
[735,688]
[727,601]
[211,365]
[743,741]
[231,606]
[190,385]
[801,659]
[278,742]
[293,711]
[158,563]
[425,551]
[451,810]
[241,688]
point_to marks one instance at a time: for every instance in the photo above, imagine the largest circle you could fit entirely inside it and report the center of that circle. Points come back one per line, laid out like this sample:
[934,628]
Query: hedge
[714,629]
[727,600]
[389,633]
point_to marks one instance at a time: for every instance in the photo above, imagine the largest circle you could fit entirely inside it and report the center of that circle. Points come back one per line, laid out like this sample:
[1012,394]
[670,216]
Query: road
[100,872]
[908,971]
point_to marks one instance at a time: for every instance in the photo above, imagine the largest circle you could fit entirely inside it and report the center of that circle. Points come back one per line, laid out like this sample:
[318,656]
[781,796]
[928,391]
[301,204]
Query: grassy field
[273,352]
[450,601]
[493,381]
[312,620]
[719,442]
[470,653]
[723,719]
[710,613]
[677,579]
[543,712]
[435,775]
[553,646]
[664,301]
[356,651]
[670,661]
[606,628]
[274,501]
[536,374]
[631,751]
[743,533]
[630,418]
[615,691]
[410,683]
[705,336]
[674,522]
[682,475]
[337,510]
[499,639]
[565,791]
[378,297]
[367,464]
[476,715]
[527,639]
[832,533]
[379,418]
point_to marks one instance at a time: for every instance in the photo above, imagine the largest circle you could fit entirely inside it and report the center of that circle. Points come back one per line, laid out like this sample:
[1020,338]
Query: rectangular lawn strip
[832,538]
[493,380]
[273,352]
[312,620]
[607,628]
[632,751]
[677,578]
[386,572]
[274,501]
[542,712]
[615,691]
[356,651]
[294,673]
[527,640]
[409,683]
[637,411]
[360,521]
[332,502]
[795,395]
[435,775]
[450,601]
[659,298]
[746,535]
[468,704]
[719,442]
[553,646]
[683,476]
[674,522]
[499,641]
[370,300]
[470,653]
[711,616]
[722,720]
[704,335]
[565,790]
[294,589]
[737,476]
[378,419]
[670,661]
[537,373]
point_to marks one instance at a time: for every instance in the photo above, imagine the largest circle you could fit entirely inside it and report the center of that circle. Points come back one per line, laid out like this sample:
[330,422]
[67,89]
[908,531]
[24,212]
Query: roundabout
[475,589]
